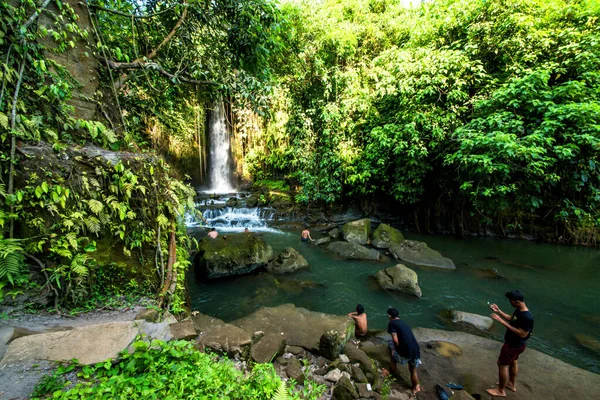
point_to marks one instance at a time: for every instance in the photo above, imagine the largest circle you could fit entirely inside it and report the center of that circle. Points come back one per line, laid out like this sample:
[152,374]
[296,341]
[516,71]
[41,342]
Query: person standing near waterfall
[306,235]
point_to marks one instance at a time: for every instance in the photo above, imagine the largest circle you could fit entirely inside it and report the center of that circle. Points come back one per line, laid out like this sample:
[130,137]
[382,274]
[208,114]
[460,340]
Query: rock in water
[238,254]
[353,251]
[321,241]
[588,342]
[357,231]
[419,253]
[289,260]
[400,279]
[472,321]
[385,236]
[335,233]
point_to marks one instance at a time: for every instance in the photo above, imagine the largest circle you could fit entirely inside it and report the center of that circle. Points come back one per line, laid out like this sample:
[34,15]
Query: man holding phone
[519,326]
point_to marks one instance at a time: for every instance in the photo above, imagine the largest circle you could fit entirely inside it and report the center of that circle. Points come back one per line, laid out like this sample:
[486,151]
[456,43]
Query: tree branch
[124,14]
[34,16]
[167,38]
[155,66]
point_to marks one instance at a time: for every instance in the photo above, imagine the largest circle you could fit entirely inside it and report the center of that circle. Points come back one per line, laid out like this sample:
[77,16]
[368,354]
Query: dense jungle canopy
[461,115]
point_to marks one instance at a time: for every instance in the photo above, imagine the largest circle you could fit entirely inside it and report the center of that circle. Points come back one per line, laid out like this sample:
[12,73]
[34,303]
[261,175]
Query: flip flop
[454,386]
[440,392]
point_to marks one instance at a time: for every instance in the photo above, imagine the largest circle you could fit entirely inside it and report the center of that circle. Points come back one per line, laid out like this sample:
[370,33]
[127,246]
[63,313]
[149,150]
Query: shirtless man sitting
[360,319]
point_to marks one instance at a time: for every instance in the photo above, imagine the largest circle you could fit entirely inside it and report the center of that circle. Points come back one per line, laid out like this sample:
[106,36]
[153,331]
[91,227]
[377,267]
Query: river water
[561,287]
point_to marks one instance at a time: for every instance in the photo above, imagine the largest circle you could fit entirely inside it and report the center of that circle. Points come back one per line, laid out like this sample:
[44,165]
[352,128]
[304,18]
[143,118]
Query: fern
[95,206]
[92,224]
[11,259]
[282,392]
[78,265]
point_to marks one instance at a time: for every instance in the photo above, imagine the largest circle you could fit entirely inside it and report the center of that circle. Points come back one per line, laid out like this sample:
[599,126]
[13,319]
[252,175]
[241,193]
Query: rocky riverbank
[302,345]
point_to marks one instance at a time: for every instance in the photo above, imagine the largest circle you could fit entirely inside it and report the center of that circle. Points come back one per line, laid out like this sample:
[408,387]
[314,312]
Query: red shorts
[510,354]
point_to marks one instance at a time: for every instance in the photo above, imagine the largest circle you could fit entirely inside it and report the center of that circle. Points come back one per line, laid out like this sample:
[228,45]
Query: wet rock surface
[289,260]
[385,236]
[400,279]
[357,231]
[233,254]
[419,253]
[353,251]
[469,321]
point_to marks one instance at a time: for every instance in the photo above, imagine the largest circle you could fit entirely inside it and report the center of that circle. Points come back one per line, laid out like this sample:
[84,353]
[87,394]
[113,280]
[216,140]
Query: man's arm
[352,314]
[520,332]
[395,339]
[497,310]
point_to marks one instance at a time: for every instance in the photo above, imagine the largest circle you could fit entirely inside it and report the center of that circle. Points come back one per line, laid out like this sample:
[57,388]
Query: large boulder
[289,260]
[385,236]
[321,241]
[357,231]
[296,325]
[471,321]
[335,233]
[400,279]
[353,251]
[419,253]
[541,376]
[236,254]
[216,335]
[89,344]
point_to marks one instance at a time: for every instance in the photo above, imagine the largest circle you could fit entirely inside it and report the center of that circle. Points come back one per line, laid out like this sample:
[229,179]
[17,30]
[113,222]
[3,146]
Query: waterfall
[220,167]
[230,219]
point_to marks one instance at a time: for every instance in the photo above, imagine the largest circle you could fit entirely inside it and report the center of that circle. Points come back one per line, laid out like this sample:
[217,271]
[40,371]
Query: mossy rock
[385,236]
[233,254]
[357,231]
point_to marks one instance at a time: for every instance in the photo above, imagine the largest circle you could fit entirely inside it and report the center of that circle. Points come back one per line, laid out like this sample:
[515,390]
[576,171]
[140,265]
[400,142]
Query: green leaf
[3,120]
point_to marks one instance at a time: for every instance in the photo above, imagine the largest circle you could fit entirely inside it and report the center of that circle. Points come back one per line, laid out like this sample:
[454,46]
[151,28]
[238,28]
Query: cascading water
[230,219]
[220,166]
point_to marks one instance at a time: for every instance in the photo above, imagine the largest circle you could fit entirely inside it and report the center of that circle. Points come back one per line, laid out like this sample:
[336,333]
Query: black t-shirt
[521,320]
[408,346]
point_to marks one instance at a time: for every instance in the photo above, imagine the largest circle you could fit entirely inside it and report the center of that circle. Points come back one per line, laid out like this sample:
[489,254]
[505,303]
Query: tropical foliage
[174,370]
[471,114]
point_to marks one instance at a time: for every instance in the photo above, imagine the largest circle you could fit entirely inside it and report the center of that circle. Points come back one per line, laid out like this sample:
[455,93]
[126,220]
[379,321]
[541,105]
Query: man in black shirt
[404,348]
[518,329]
